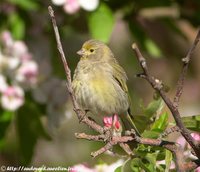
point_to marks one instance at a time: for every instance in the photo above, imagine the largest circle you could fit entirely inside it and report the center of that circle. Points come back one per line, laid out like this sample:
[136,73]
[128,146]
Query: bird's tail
[128,123]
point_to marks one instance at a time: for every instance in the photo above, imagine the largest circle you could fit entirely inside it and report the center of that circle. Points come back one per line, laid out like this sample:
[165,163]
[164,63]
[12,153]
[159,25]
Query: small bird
[99,83]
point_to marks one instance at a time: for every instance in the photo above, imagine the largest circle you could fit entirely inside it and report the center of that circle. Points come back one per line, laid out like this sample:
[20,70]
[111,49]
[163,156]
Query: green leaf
[150,134]
[197,117]
[160,168]
[168,160]
[136,162]
[29,130]
[192,122]
[126,165]
[5,119]
[6,116]
[153,108]
[26,4]
[143,121]
[101,22]
[161,123]
[2,143]
[17,26]
[118,169]
[151,158]
[152,48]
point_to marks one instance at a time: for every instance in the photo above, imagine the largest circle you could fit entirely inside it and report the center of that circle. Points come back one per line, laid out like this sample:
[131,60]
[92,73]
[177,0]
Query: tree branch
[186,61]
[171,146]
[157,85]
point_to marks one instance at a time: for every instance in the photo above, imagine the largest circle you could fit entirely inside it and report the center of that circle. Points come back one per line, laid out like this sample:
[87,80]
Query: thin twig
[186,61]
[103,149]
[126,148]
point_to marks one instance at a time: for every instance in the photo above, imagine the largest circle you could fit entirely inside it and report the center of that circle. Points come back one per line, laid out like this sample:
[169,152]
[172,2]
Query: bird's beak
[80,52]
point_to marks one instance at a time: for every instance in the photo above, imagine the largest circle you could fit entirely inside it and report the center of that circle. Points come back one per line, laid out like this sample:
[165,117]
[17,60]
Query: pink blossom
[12,98]
[197,170]
[71,6]
[109,121]
[19,48]
[196,136]
[27,72]
[116,122]
[26,57]
[7,38]
[181,140]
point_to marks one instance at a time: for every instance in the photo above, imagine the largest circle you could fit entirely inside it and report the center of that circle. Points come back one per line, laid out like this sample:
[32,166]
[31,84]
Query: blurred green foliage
[101,23]
[192,122]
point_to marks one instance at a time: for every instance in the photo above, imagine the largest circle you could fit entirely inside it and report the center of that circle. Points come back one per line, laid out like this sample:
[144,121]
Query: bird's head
[95,50]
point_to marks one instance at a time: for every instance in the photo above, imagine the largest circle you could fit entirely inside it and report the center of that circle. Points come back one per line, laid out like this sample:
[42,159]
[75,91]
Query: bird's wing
[120,76]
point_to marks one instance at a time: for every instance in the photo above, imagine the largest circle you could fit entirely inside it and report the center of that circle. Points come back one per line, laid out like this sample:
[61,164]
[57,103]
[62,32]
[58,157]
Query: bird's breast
[97,91]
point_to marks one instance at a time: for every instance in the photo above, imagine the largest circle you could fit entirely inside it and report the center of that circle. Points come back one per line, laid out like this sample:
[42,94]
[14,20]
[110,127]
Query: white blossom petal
[81,168]
[12,98]
[8,63]
[11,62]
[3,83]
[58,2]
[89,5]
[19,48]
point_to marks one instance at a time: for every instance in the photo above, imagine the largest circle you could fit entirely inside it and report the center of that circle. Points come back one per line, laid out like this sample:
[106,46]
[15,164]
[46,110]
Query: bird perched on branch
[99,83]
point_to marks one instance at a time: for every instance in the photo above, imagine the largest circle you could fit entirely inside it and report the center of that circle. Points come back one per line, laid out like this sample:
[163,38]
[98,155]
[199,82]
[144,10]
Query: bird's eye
[91,50]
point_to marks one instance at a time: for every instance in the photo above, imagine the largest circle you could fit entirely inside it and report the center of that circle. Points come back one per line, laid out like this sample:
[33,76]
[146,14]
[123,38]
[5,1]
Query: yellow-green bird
[99,83]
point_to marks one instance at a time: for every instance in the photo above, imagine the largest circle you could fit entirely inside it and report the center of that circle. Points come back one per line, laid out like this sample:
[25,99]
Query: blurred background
[37,122]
